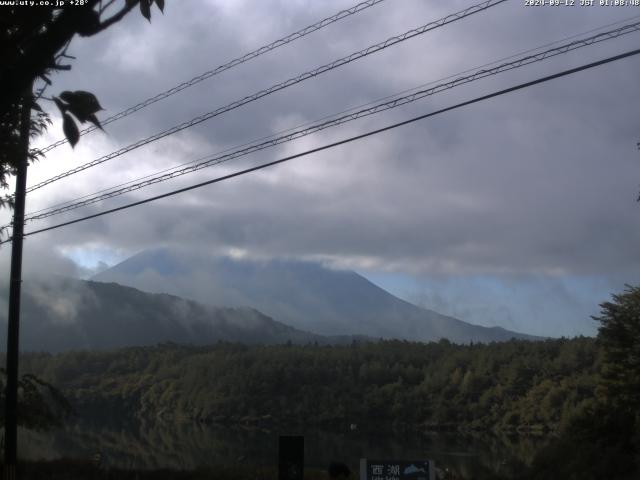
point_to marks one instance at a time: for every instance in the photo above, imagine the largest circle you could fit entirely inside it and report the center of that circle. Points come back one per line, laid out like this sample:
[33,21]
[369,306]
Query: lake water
[186,446]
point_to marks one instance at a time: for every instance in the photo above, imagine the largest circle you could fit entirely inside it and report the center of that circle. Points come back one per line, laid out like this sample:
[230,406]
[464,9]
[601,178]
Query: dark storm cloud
[542,181]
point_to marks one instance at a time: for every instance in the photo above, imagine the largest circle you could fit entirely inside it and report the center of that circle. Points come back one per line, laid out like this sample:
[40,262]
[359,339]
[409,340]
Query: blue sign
[397,469]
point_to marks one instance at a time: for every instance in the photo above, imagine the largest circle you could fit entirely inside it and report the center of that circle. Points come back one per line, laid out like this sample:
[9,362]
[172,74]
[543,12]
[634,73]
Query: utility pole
[13,327]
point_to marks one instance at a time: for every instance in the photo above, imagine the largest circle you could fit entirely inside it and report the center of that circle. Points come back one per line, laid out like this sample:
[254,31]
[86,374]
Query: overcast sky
[519,211]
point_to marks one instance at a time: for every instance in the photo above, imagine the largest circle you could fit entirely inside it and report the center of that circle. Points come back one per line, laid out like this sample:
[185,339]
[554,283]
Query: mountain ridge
[305,295]
[61,314]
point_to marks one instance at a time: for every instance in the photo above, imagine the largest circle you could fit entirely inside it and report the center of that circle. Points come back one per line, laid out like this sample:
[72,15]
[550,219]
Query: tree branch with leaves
[33,45]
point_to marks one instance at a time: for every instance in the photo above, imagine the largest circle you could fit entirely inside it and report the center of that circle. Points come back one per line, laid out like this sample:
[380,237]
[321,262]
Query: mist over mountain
[65,314]
[302,294]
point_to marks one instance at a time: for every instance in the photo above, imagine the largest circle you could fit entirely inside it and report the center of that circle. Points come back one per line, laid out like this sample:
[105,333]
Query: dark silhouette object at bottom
[338,470]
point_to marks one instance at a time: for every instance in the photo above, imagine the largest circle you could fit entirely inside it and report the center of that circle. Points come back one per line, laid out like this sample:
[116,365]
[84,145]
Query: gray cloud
[40,259]
[542,305]
[540,182]
[63,309]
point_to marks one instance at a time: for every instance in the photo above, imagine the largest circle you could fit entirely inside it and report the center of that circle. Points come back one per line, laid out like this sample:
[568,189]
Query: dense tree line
[504,386]
[567,387]
[603,440]
[40,405]
[584,391]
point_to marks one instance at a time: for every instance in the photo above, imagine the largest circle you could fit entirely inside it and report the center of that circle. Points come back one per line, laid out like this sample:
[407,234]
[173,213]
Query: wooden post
[13,327]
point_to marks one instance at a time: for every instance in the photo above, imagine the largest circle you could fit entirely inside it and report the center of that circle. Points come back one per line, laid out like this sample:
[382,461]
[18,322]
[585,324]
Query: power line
[351,109]
[233,63]
[341,142]
[295,134]
[280,86]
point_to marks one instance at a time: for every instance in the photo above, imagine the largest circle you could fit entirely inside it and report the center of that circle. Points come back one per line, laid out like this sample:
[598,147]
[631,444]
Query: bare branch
[63,52]
[106,6]
[118,16]
[40,92]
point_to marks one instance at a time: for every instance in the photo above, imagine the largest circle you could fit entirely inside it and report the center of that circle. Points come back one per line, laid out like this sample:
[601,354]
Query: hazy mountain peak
[303,294]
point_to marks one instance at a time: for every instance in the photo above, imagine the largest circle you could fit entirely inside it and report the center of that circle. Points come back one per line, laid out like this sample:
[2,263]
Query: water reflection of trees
[187,446]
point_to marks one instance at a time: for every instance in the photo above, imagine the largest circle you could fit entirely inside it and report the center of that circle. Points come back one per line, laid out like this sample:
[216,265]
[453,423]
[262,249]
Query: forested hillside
[61,314]
[502,386]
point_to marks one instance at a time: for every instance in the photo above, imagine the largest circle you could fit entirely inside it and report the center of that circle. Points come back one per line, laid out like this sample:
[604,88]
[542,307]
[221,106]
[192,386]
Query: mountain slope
[64,314]
[304,295]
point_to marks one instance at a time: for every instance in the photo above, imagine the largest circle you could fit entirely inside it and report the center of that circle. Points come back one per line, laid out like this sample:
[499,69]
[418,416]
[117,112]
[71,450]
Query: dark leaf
[70,130]
[89,24]
[88,99]
[93,119]
[67,96]
[145,9]
[61,106]
[82,104]
[160,4]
